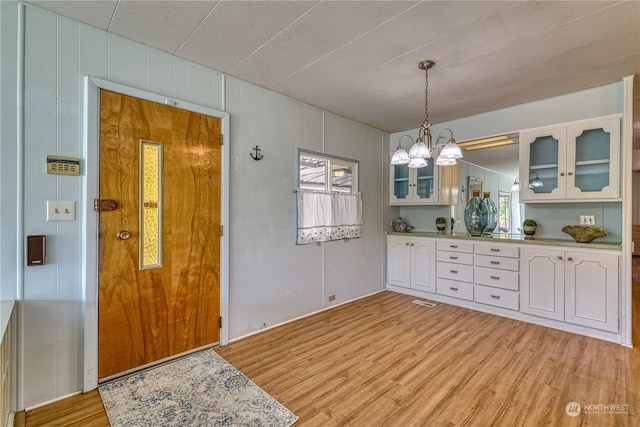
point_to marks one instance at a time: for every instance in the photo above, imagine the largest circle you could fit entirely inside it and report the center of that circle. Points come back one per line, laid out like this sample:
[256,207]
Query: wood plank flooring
[384,361]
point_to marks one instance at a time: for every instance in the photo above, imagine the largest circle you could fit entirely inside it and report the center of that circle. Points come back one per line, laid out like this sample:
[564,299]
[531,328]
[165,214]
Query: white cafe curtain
[328,216]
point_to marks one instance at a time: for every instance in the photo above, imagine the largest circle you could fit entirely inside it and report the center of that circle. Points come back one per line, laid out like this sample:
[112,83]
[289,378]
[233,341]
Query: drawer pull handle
[495,250]
[495,262]
[495,296]
[453,246]
[453,289]
[454,271]
[495,277]
[453,257]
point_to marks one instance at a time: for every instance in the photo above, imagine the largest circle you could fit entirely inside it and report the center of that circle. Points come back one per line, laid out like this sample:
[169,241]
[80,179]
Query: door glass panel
[151,208]
[401,181]
[543,164]
[592,160]
[425,181]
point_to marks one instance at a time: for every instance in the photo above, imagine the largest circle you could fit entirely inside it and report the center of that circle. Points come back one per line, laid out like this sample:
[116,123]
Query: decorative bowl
[584,233]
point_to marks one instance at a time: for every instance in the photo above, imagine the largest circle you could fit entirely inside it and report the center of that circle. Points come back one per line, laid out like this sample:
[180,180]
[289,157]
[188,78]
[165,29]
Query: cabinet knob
[561,173]
[495,262]
[569,259]
[452,288]
[412,244]
[495,296]
[569,173]
[559,257]
[495,250]
[453,257]
[495,277]
[454,271]
[407,244]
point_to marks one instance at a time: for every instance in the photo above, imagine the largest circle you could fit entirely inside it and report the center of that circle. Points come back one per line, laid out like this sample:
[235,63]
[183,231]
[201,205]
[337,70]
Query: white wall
[8,149]
[271,279]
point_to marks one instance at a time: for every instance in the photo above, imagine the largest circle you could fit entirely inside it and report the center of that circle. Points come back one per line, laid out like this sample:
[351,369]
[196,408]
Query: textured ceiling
[359,58]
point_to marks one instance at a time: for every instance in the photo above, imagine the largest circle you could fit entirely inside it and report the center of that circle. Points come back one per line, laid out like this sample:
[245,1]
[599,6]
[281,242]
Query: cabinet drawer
[510,251]
[452,271]
[497,262]
[498,278]
[455,246]
[498,297]
[455,289]
[455,257]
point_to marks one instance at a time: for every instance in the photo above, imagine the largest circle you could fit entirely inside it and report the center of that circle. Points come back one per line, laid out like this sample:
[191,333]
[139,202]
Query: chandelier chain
[426,96]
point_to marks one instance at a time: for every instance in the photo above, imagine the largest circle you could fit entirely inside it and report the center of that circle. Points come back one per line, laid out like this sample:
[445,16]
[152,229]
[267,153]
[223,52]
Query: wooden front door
[159,250]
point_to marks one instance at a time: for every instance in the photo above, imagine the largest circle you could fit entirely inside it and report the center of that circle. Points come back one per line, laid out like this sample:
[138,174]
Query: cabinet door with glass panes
[577,161]
[593,152]
[414,186]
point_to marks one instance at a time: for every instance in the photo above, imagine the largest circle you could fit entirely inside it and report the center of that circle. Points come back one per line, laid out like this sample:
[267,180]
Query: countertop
[510,238]
[6,308]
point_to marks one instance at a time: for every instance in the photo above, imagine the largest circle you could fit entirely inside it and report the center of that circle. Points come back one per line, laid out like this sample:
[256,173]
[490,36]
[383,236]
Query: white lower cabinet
[579,287]
[576,288]
[591,290]
[542,282]
[411,262]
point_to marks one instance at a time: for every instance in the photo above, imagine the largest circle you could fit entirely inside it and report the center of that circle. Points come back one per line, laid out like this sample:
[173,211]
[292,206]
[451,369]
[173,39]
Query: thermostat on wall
[63,165]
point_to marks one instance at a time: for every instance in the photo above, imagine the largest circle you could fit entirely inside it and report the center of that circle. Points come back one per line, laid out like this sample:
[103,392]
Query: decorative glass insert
[150,205]
[401,181]
[424,180]
[543,157]
[592,160]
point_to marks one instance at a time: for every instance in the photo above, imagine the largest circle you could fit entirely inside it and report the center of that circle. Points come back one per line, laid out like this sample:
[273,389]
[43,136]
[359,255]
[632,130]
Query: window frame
[330,160]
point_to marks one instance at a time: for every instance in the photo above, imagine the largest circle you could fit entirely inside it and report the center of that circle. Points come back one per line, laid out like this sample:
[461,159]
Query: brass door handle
[124,235]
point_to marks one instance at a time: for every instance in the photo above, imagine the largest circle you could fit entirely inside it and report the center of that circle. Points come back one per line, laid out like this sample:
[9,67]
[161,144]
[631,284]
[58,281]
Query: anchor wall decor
[256,156]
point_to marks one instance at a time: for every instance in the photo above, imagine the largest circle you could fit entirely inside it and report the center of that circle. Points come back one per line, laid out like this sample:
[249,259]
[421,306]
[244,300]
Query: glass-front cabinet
[430,185]
[575,161]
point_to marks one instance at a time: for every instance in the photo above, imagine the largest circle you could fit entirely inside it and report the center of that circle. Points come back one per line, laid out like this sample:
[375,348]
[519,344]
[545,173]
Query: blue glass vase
[475,215]
[492,215]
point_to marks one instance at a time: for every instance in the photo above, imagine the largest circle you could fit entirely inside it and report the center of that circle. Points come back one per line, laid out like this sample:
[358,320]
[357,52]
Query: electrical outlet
[332,297]
[587,220]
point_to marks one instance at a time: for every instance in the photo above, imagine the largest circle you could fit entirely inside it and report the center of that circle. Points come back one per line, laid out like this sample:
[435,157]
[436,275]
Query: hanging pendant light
[401,157]
[516,185]
[422,150]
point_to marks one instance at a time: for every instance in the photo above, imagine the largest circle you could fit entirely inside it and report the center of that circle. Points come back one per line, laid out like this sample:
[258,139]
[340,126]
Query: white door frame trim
[89,218]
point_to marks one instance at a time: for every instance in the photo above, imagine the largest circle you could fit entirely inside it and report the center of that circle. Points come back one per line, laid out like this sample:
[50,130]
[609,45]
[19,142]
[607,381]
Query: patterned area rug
[199,390]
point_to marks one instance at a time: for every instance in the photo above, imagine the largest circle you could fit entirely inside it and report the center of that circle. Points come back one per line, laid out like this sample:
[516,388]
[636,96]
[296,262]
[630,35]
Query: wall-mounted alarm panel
[63,165]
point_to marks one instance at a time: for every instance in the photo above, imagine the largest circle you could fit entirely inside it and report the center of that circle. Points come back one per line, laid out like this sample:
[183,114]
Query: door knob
[124,235]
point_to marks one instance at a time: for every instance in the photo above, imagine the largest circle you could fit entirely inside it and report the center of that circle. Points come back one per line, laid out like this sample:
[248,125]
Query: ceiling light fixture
[422,149]
[483,140]
[490,145]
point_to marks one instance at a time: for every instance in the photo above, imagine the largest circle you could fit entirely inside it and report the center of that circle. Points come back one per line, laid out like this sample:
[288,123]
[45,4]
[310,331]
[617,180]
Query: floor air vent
[424,303]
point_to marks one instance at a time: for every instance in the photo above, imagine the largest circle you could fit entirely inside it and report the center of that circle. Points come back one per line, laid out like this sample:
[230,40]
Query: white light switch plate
[61,211]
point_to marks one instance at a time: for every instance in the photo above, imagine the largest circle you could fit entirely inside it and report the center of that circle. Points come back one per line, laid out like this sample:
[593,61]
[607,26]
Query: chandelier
[446,150]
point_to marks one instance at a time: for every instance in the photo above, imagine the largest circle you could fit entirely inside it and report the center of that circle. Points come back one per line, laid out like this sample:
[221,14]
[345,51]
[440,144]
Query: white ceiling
[359,59]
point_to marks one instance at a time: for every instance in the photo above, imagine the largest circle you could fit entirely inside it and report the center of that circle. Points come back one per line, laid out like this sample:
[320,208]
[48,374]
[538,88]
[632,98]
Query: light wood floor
[383,361]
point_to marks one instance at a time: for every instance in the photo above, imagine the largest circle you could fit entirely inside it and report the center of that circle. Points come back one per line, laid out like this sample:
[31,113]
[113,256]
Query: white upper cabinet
[431,185]
[571,162]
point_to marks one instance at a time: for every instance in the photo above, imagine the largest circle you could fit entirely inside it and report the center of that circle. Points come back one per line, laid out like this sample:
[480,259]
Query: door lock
[124,235]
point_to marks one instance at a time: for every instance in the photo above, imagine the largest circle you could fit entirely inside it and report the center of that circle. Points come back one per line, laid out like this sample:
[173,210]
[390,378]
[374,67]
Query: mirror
[491,165]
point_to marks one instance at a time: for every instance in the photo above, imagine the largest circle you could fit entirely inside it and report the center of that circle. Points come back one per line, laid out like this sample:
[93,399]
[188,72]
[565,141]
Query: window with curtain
[328,201]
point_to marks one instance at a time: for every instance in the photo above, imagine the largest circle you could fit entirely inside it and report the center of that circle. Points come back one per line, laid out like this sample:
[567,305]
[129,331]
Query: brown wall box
[36,250]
